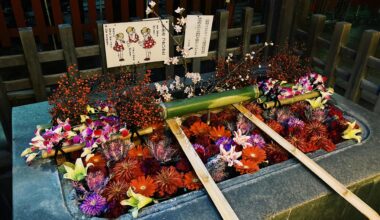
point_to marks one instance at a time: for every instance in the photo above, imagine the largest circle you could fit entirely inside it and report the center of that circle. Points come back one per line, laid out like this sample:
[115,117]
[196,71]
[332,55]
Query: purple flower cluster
[257,140]
[227,142]
[93,205]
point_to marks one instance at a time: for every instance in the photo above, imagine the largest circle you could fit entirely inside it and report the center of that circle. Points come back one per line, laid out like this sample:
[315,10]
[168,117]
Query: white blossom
[195,77]
[177,28]
[181,21]
[178,83]
[241,139]
[179,10]
[148,10]
[231,156]
[175,60]
[152,4]
[168,61]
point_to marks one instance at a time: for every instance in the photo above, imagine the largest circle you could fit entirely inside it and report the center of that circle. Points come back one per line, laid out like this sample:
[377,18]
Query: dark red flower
[276,126]
[127,170]
[302,144]
[314,128]
[115,190]
[275,153]
[322,142]
[168,181]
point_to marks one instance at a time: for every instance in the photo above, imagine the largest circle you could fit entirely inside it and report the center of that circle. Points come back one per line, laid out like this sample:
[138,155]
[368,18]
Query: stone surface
[37,191]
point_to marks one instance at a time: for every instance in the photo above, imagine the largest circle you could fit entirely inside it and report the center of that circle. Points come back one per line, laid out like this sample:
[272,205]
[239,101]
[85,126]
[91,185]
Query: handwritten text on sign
[197,35]
[138,42]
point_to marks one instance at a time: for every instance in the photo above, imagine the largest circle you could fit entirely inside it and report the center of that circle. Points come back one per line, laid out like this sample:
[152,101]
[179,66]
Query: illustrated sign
[198,34]
[138,42]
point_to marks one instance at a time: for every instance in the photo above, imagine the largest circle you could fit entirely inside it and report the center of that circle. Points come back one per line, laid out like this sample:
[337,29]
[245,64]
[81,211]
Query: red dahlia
[168,181]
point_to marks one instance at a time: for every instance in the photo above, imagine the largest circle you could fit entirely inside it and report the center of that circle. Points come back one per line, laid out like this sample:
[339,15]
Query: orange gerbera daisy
[218,132]
[144,185]
[247,166]
[127,170]
[254,154]
[139,152]
[168,181]
[191,181]
[199,128]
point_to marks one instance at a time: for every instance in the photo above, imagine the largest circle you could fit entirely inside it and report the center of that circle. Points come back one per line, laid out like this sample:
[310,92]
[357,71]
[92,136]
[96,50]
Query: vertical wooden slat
[196,5]
[5,38]
[101,46]
[339,39]
[169,7]
[208,7]
[316,28]
[5,112]
[300,16]
[285,22]
[222,19]
[57,12]
[231,11]
[125,10]
[68,46]
[92,19]
[109,10]
[18,13]
[140,10]
[183,4]
[33,63]
[269,17]
[77,22]
[247,24]
[367,47]
[40,26]
[169,69]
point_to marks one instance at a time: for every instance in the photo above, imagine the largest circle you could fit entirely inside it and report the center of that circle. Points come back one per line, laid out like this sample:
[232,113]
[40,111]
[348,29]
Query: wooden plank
[33,63]
[140,10]
[67,41]
[11,61]
[5,38]
[87,51]
[15,85]
[231,12]
[208,7]
[348,52]
[77,22]
[318,62]
[370,86]
[50,55]
[102,50]
[39,28]
[108,4]
[124,10]
[376,109]
[196,5]
[323,43]
[183,4]
[285,22]
[57,12]
[374,62]
[18,13]
[222,21]
[91,4]
[169,69]
[247,27]
[269,18]
[367,47]
[169,4]
[343,73]
[316,28]
[339,38]
[300,16]
[204,176]
[311,165]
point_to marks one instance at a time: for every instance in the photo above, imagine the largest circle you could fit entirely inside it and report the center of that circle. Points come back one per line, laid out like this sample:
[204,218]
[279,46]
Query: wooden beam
[247,19]
[311,165]
[222,20]
[101,45]
[33,63]
[204,176]
[67,41]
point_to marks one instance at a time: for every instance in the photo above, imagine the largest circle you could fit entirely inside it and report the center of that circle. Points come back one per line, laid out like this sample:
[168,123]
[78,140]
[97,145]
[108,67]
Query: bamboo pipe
[200,169]
[76,147]
[294,99]
[313,166]
[214,100]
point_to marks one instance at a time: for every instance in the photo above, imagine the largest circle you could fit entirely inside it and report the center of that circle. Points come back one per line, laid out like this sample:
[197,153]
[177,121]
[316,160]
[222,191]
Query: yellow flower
[84,117]
[317,103]
[76,172]
[90,109]
[352,133]
[137,201]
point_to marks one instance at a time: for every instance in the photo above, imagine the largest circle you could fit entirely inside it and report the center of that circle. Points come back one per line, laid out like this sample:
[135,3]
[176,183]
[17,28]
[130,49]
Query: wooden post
[269,25]
[33,63]
[285,21]
[68,46]
[222,20]
[169,69]
[301,13]
[102,50]
[311,165]
[5,112]
[339,39]
[204,176]
[316,28]
[367,47]
[247,26]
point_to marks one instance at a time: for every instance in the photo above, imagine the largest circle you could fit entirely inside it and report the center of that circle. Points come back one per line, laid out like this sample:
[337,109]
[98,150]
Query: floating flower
[254,154]
[247,166]
[144,185]
[76,172]
[115,150]
[254,108]
[283,114]
[115,190]
[231,156]
[275,153]
[302,144]
[162,150]
[218,132]
[127,170]
[179,10]
[317,103]
[352,132]
[225,141]
[322,142]
[243,124]
[257,140]
[97,161]
[276,126]
[137,201]
[139,152]
[148,10]
[195,77]
[241,139]
[315,128]
[95,180]
[191,181]
[199,128]
[93,205]
[152,4]
[168,181]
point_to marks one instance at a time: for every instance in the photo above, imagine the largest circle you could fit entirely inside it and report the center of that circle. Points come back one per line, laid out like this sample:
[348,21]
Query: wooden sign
[198,34]
[138,42]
